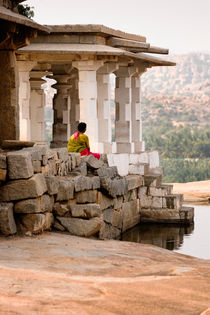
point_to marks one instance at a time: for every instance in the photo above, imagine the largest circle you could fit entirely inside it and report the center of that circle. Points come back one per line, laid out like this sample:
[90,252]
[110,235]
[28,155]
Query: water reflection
[163,235]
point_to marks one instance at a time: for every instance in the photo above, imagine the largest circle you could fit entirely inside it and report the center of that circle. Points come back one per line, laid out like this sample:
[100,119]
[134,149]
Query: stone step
[168,187]
[156,171]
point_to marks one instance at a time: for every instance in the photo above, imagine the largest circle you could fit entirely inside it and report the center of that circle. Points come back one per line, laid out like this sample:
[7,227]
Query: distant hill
[178,94]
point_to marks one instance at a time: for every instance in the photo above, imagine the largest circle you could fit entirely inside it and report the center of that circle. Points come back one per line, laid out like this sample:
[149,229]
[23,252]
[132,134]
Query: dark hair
[81,127]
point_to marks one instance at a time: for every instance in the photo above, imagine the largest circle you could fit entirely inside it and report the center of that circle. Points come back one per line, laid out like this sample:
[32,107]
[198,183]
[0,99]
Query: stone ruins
[44,188]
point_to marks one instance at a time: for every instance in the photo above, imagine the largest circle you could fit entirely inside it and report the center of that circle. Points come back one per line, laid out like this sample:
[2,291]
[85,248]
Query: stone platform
[61,274]
[44,188]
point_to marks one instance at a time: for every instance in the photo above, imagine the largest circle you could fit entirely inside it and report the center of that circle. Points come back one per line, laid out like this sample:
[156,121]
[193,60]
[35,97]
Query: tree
[26,10]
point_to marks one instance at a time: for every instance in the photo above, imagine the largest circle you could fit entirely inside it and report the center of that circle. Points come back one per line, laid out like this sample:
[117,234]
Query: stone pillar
[37,107]
[104,102]
[88,98]
[123,130]
[24,68]
[9,108]
[61,107]
[136,121]
[74,100]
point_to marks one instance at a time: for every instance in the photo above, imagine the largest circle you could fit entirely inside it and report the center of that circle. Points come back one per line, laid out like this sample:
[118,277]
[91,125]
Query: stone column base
[138,147]
[121,147]
[58,144]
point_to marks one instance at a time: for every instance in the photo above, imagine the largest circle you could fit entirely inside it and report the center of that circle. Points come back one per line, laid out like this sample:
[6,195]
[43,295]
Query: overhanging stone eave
[11,16]
[94,28]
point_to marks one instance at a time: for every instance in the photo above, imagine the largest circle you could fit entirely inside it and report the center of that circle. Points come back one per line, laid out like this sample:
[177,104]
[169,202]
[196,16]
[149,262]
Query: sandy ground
[194,192]
[61,274]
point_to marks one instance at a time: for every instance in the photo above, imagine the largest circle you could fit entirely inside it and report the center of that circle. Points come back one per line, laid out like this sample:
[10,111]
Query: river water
[191,240]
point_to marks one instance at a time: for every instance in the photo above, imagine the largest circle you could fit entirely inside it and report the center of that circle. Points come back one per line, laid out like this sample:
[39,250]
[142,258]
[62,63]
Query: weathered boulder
[134,181]
[87,196]
[52,184]
[7,222]
[108,231]
[90,210]
[104,201]
[60,209]
[65,189]
[24,189]
[19,165]
[37,205]
[81,227]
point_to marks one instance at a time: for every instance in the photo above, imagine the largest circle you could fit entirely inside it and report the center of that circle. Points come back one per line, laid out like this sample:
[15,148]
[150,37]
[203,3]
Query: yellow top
[78,142]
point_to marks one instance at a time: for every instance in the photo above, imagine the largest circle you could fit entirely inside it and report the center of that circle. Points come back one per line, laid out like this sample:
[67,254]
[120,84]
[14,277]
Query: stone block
[174,201]
[187,215]
[82,168]
[36,153]
[19,165]
[108,231]
[160,215]
[154,159]
[37,205]
[73,160]
[118,201]
[92,162]
[113,217]
[104,201]
[90,210]
[60,209]
[49,220]
[87,196]
[46,170]
[134,181]
[3,175]
[78,159]
[37,166]
[58,226]
[158,191]
[81,227]
[65,189]
[110,172]
[131,195]
[44,160]
[24,189]
[138,169]
[142,192]
[115,187]
[152,180]
[86,183]
[34,223]
[3,162]
[121,161]
[168,187]
[130,214]
[52,184]
[157,202]
[7,222]
[62,154]
[145,201]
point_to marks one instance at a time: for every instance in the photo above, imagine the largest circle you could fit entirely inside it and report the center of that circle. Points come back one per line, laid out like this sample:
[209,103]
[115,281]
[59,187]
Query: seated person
[79,142]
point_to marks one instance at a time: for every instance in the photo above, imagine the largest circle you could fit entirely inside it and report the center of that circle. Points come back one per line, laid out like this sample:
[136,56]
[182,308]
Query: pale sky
[183,26]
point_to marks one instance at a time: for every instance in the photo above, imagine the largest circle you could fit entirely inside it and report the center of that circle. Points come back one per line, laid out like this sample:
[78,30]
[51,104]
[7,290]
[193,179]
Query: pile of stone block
[43,189]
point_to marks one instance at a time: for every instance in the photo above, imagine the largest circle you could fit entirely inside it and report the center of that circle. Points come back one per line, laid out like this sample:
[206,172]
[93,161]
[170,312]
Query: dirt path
[61,274]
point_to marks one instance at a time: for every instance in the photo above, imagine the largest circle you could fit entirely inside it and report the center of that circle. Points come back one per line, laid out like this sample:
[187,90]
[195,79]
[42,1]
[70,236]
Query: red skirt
[87,152]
